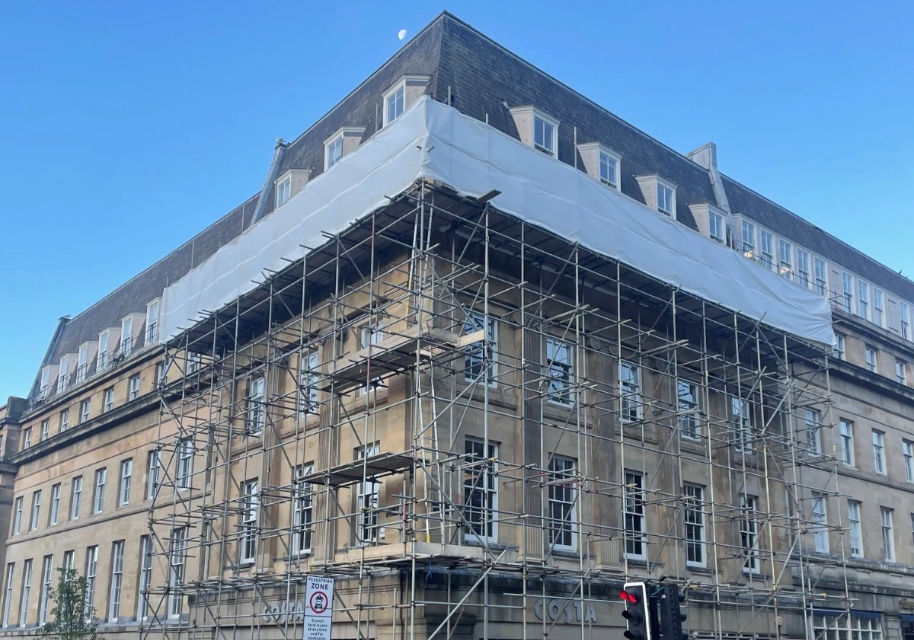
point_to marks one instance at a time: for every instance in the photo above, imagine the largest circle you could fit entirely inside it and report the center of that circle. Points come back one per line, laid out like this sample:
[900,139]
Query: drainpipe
[278,152]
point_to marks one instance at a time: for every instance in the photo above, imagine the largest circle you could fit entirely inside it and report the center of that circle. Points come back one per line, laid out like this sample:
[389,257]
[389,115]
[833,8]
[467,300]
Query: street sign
[318,608]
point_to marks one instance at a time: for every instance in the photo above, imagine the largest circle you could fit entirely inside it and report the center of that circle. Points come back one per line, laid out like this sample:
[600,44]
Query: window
[901,376]
[544,135]
[85,408]
[907,449]
[863,299]
[717,228]
[785,255]
[878,307]
[820,272]
[127,336]
[55,505]
[854,528]
[76,490]
[26,590]
[160,374]
[153,466]
[879,451]
[767,249]
[871,361]
[394,104]
[888,533]
[36,510]
[108,399]
[742,423]
[117,578]
[635,526]
[803,267]
[192,362]
[847,441]
[102,358]
[838,350]
[44,596]
[666,199]
[185,463]
[98,498]
[748,533]
[835,625]
[367,494]
[820,524]
[133,387]
[558,363]
[249,513]
[255,406]
[68,560]
[145,577]
[748,231]
[333,152]
[10,570]
[847,291]
[371,334]
[45,429]
[302,513]
[689,425]
[630,391]
[123,493]
[481,353]
[307,383]
[283,191]
[813,439]
[27,438]
[904,312]
[82,362]
[45,383]
[609,169]
[64,422]
[176,558]
[152,322]
[694,518]
[480,490]
[562,528]
[17,519]
[91,569]
[63,374]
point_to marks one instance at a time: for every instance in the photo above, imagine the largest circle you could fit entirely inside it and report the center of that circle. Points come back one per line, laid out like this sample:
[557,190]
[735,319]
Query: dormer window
[102,361]
[609,169]
[283,191]
[127,336]
[82,364]
[63,376]
[333,152]
[717,227]
[45,382]
[152,322]
[395,103]
[659,195]
[666,199]
[544,135]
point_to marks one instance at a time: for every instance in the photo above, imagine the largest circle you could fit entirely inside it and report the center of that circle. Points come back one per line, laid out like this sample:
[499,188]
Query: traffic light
[671,616]
[636,611]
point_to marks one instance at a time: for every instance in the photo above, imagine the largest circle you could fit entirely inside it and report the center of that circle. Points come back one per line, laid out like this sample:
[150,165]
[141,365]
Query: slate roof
[481,75]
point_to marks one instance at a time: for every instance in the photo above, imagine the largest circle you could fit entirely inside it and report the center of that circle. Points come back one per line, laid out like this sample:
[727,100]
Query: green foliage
[73,618]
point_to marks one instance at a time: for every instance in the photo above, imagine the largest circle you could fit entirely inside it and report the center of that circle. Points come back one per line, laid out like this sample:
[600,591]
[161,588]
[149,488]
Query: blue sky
[126,127]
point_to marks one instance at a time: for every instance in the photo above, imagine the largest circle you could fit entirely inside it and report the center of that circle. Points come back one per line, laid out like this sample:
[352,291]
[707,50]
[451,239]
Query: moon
[401,34]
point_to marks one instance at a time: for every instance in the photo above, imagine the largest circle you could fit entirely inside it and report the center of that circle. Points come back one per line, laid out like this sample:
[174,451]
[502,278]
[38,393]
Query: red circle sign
[318,602]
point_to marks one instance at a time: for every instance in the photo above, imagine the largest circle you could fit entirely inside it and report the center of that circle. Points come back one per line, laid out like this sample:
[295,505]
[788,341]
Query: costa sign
[290,612]
[566,611]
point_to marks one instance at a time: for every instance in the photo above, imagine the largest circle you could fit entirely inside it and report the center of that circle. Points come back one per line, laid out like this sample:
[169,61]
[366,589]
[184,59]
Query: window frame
[872,363]
[368,497]
[107,399]
[145,578]
[124,483]
[302,512]
[907,452]
[117,580]
[153,471]
[133,387]
[54,506]
[333,151]
[631,387]
[879,460]
[475,354]
[878,307]
[662,187]
[91,575]
[25,593]
[562,499]
[634,511]
[855,527]
[76,492]
[185,464]
[559,373]
[785,262]
[887,524]
[35,514]
[693,503]
[846,436]
[803,269]
[98,493]
[546,121]
[481,523]
[718,222]
[863,299]
[767,249]
[901,371]
[400,88]
[616,182]
[819,528]
[17,517]
[85,410]
[126,344]
[813,428]
[176,564]
[256,407]
[308,373]
[283,191]
[250,515]
[749,538]
[47,569]
[820,275]
[749,248]
[689,409]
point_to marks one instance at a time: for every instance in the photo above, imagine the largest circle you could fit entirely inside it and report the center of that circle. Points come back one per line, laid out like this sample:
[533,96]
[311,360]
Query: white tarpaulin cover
[434,141]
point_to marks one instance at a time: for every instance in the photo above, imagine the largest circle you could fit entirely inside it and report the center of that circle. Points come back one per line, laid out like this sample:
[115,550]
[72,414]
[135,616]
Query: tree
[73,617]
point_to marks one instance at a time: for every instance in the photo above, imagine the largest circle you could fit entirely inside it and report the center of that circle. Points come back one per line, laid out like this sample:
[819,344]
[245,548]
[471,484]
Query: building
[480,351]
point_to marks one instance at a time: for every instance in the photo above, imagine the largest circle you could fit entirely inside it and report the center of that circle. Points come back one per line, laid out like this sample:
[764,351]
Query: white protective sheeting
[434,141]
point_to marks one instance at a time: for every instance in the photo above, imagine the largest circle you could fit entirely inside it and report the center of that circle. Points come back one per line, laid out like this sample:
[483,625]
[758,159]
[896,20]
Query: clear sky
[126,127]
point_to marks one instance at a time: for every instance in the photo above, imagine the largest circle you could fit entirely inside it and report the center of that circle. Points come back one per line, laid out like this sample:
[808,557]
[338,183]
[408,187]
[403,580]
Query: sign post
[318,608]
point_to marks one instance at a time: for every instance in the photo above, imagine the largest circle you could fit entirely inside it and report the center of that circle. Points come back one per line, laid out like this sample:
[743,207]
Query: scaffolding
[480,429]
